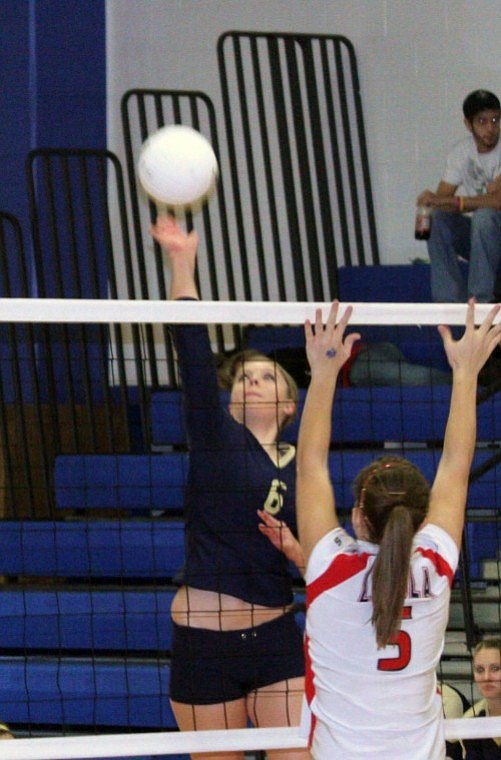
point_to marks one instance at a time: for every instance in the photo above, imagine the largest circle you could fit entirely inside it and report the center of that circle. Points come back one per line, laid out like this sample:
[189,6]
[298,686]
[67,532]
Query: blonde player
[237,652]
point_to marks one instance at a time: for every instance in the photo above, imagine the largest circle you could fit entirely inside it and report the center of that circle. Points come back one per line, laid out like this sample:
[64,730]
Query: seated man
[468,225]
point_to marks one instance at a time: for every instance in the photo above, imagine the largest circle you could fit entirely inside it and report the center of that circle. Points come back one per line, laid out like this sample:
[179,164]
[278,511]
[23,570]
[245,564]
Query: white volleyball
[177,166]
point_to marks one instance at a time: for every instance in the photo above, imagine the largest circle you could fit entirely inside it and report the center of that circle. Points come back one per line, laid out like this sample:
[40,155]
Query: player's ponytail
[390,574]
[393,496]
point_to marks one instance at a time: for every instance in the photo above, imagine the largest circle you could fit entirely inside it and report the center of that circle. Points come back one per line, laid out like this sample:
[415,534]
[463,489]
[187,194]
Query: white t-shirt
[361,701]
[470,170]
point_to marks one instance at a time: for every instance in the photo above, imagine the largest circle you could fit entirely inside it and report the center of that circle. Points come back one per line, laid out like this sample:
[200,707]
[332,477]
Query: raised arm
[202,405]
[466,357]
[181,248]
[327,350]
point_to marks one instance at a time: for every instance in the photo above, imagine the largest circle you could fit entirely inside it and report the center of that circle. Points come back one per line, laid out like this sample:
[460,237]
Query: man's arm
[445,199]
[466,357]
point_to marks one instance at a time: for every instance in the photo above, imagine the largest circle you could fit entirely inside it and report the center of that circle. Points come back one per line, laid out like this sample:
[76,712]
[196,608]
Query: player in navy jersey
[377,605]
[237,652]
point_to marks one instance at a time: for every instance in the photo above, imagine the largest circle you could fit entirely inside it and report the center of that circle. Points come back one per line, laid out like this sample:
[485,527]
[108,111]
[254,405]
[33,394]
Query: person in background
[237,651]
[384,364]
[377,606]
[466,218]
[5,732]
[454,705]
[487,677]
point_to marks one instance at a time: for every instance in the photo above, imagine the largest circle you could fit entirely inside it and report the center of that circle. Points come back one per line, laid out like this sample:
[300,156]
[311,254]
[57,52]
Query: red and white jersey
[361,701]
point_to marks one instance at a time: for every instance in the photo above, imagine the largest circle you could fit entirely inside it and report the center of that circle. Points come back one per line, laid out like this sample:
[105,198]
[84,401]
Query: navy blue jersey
[481,749]
[230,477]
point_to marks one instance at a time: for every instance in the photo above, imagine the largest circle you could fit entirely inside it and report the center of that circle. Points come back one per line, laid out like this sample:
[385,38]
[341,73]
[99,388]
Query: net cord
[81,310]
[170,743]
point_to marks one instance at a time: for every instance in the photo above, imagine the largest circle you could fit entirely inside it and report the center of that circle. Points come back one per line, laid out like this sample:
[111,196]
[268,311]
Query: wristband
[461,204]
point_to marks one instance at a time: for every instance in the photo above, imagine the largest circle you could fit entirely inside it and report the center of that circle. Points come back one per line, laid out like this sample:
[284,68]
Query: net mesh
[92,535]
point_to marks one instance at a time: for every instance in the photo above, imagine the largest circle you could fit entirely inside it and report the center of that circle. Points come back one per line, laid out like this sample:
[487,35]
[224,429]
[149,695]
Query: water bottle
[422,227]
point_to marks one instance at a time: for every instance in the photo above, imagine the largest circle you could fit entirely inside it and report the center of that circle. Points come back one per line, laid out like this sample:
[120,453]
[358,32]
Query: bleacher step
[492,569]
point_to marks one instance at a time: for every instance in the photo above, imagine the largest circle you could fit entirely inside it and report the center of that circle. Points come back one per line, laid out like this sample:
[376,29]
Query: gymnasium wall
[53,85]
[417,61]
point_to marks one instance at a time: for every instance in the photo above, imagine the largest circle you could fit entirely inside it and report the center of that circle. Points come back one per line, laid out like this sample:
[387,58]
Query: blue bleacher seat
[117,549]
[83,691]
[385,283]
[362,415]
[344,465]
[128,481]
[132,619]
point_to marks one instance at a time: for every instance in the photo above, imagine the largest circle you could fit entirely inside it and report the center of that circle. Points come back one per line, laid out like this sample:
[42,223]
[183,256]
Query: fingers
[470,314]
[326,339]
[271,522]
[350,340]
[308,330]
[488,321]
[487,329]
[266,517]
[165,221]
[485,326]
[445,334]
[472,350]
[319,322]
[332,319]
[332,316]
[491,316]
[345,318]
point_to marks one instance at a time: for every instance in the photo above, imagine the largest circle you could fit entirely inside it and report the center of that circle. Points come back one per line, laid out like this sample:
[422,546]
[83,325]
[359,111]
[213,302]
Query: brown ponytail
[390,574]
[393,495]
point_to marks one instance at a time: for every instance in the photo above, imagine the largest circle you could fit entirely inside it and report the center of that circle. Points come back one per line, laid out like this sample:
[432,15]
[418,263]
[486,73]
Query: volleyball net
[167,744]
[94,465]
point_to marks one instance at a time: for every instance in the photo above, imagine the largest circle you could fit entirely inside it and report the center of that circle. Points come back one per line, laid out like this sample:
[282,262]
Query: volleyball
[177,166]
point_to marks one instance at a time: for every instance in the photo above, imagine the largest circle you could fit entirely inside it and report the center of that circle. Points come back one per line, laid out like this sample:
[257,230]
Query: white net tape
[223,312]
[162,743]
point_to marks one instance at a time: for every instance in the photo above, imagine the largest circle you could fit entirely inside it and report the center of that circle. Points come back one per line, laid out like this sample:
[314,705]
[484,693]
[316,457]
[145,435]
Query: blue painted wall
[53,85]
[52,95]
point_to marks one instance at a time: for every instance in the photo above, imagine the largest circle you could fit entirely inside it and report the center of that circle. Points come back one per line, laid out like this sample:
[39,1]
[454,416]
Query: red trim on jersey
[441,565]
[345,566]
[309,687]
[342,568]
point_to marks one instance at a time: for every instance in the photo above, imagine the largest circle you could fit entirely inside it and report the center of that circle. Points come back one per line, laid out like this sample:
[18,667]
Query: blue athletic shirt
[230,476]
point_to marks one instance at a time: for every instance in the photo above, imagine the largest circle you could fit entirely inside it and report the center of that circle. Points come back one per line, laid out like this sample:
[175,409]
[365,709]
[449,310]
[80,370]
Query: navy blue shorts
[209,667]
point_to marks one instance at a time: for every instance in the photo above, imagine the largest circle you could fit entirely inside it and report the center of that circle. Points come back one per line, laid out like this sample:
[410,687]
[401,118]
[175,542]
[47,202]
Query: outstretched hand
[472,350]
[181,248]
[327,347]
[173,238]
